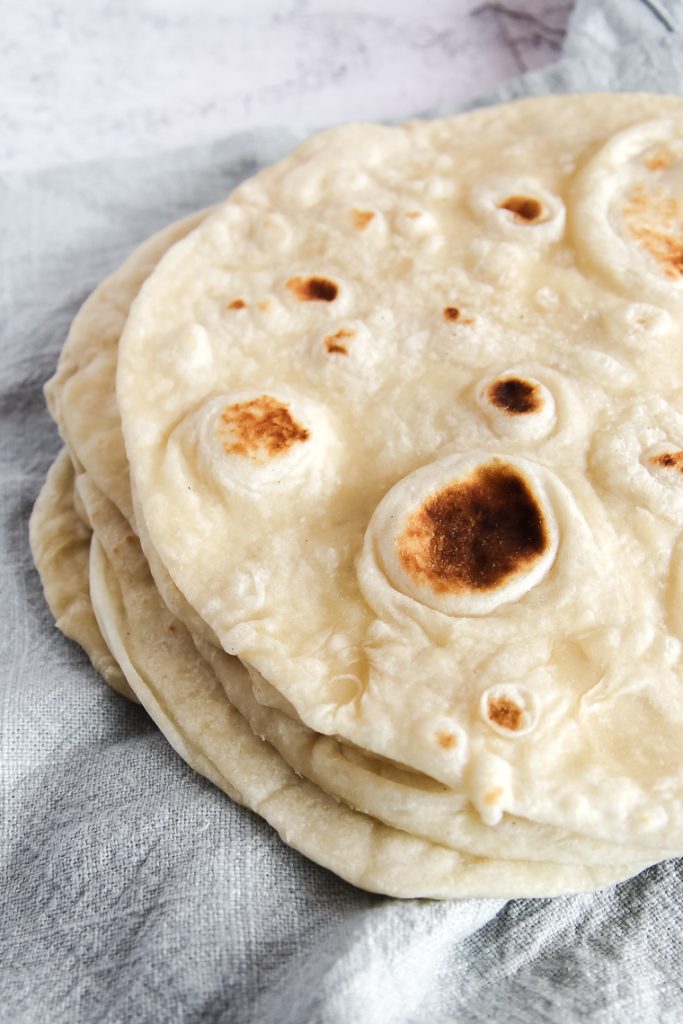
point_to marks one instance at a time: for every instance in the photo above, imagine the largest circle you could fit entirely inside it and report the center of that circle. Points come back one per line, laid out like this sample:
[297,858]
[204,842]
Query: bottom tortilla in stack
[181,690]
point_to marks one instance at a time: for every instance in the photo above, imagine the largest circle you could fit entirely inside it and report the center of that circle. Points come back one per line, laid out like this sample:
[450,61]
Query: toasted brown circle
[313,289]
[669,460]
[523,207]
[451,313]
[361,218]
[476,533]
[653,219]
[259,428]
[514,395]
[505,713]
[237,304]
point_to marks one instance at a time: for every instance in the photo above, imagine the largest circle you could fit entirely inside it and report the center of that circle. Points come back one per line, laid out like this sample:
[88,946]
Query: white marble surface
[83,79]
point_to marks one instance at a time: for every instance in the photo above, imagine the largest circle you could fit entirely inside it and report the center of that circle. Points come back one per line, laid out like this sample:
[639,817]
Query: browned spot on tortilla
[264,304]
[669,460]
[451,313]
[660,159]
[414,214]
[333,341]
[259,428]
[361,218]
[447,740]
[237,304]
[313,289]
[505,712]
[514,395]
[653,219]
[523,207]
[131,539]
[474,533]
[172,627]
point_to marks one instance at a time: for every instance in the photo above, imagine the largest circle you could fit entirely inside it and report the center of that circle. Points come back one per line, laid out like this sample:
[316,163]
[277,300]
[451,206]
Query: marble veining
[83,80]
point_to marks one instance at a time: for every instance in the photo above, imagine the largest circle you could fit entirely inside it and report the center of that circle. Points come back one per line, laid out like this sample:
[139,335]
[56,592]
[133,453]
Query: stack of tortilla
[372,491]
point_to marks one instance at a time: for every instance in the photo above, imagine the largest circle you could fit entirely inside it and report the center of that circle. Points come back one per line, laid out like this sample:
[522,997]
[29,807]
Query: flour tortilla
[400,798]
[86,413]
[300,382]
[181,693]
[60,543]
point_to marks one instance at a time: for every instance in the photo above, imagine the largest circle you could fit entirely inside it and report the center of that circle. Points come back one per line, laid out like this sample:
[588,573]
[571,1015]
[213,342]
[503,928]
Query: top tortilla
[403,424]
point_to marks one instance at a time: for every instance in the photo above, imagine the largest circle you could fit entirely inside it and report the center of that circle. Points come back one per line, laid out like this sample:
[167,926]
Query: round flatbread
[372,407]
[405,799]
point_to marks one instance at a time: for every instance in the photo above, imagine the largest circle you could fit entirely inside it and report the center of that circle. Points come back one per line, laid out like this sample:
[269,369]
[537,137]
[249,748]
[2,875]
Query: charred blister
[348,353]
[454,315]
[337,343]
[640,456]
[668,460]
[524,208]
[260,428]
[475,533]
[313,289]
[466,534]
[254,439]
[519,208]
[517,405]
[515,395]
[508,709]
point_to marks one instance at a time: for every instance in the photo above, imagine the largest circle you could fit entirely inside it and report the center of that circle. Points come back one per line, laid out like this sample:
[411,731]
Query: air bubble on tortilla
[489,787]
[519,209]
[440,187]
[498,263]
[637,456]
[665,461]
[416,222]
[190,352]
[347,348]
[509,709]
[449,738]
[313,288]
[254,439]
[315,293]
[361,218]
[638,324]
[273,232]
[628,217]
[517,405]
[465,534]
[604,368]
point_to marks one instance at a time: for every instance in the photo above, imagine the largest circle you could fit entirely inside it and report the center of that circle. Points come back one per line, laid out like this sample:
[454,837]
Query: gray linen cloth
[132,890]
